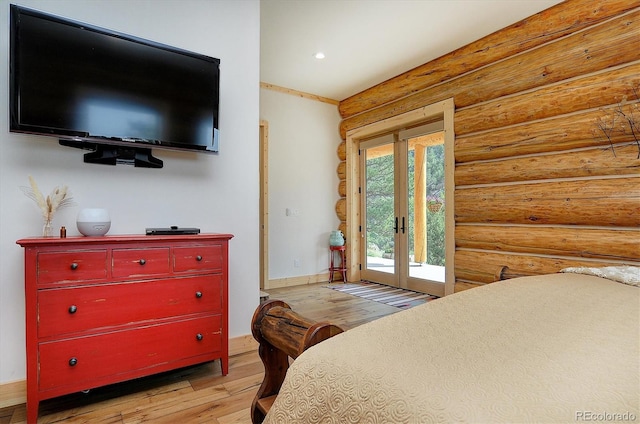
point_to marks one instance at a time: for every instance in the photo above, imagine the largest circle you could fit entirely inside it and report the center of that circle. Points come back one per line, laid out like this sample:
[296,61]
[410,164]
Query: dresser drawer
[140,262]
[70,310]
[59,267]
[196,258]
[74,362]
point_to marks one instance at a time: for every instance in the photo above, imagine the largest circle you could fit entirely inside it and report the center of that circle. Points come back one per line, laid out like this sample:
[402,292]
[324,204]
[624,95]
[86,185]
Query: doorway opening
[403,204]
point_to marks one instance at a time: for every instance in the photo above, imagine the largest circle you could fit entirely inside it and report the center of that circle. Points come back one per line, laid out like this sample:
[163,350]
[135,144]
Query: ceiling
[369,41]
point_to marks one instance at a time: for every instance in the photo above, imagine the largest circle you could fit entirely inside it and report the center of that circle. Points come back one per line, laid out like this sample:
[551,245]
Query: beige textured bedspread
[552,349]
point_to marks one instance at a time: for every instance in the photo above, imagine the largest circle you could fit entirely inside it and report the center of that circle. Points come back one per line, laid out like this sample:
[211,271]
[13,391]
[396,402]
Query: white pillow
[623,274]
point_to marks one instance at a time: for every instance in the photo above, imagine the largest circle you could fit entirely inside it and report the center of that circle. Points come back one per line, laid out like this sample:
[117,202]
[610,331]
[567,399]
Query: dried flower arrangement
[60,197]
[623,119]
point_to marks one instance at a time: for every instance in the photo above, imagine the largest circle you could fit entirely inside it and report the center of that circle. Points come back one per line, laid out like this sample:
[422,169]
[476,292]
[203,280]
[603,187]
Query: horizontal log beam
[342,151]
[341,170]
[604,46]
[608,202]
[622,160]
[462,286]
[602,89]
[554,241]
[550,135]
[343,227]
[341,209]
[342,188]
[481,267]
[556,22]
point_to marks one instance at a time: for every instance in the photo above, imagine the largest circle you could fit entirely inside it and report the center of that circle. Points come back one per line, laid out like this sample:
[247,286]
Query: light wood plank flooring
[199,394]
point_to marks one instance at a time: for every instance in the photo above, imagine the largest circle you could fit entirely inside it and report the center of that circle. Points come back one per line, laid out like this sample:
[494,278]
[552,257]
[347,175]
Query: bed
[563,347]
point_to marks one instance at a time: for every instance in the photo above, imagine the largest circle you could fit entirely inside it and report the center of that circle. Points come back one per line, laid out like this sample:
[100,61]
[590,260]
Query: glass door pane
[379,212]
[426,213]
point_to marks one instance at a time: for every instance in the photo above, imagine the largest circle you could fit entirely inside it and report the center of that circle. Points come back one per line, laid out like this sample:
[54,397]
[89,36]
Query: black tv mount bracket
[110,154]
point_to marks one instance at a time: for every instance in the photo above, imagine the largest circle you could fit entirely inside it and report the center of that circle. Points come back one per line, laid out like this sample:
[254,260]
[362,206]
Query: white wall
[217,193]
[303,142]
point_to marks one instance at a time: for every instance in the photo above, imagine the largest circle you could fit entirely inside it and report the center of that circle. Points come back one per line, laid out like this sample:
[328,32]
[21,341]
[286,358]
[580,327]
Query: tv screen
[87,84]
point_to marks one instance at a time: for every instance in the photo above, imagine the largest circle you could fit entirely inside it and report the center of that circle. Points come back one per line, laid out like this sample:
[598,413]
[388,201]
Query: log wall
[537,186]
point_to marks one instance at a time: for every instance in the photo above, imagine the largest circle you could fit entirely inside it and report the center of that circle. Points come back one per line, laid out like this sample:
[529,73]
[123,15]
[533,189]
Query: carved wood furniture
[504,273]
[281,333]
[101,310]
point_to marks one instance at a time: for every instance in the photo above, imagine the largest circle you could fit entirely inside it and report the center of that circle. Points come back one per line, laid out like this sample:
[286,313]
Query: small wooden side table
[335,266]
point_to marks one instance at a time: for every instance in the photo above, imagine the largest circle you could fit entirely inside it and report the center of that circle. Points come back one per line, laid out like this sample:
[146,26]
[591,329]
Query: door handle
[395,227]
[402,228]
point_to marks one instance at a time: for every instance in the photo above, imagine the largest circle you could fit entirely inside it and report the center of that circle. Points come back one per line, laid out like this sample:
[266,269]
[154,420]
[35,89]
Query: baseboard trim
[242,344]
[297,281]
[15,393]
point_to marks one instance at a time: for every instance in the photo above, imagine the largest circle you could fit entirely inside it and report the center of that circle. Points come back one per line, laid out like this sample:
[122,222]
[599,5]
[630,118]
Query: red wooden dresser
[101,310]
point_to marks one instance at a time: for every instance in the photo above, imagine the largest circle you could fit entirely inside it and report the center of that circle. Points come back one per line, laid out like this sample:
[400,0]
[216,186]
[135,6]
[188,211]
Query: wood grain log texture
[342,188]
[464,285]
[557,134]
[530,164]
[341,204]
[341,170]
[611,202]
[343,227]
[281,334]
[341,209]
[482,267]
[621,159]
[604,88]
[342,151]
[594,243]
[603,46]
[549,25]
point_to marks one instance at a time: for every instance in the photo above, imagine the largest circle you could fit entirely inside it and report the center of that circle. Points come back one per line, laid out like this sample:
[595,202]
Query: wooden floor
[199,394]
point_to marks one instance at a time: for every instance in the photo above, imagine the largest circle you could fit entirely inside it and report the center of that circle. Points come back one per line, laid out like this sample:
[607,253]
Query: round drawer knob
[198,258]
[198,294]
[199,337]
[73,362]
[74,266]
[73,309]
[142,262]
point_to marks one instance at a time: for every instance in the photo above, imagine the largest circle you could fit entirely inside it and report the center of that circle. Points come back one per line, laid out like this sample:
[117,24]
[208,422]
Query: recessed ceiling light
[319,55]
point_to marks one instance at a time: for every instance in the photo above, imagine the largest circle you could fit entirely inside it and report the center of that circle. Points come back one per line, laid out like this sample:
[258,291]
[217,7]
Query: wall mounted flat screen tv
[114,94]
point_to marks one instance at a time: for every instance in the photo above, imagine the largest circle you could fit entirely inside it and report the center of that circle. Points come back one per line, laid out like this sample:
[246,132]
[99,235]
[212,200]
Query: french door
[402,192]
